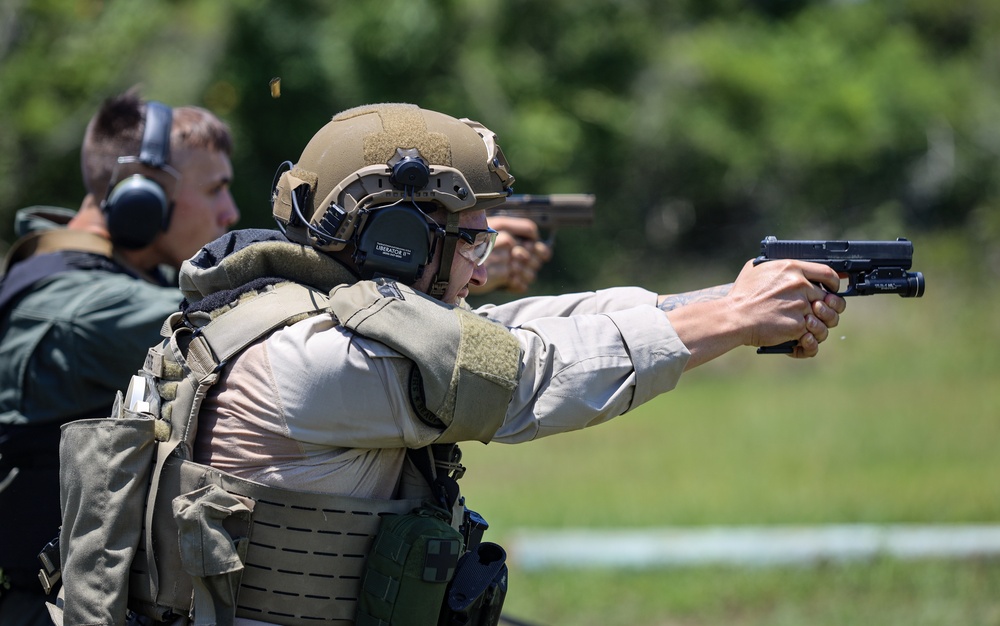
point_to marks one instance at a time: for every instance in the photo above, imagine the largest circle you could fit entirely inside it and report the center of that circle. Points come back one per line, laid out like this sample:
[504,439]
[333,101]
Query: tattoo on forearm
[676,301]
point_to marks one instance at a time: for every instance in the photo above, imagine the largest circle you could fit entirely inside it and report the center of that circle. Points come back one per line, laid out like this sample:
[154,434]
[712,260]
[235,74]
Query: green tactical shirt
[73,340]
[68,342]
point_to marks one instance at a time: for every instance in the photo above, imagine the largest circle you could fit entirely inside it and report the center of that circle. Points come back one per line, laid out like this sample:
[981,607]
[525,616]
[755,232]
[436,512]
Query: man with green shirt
[82,295]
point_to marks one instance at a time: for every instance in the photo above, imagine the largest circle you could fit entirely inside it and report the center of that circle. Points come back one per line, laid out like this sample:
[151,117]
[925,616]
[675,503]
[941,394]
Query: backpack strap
[46,253]
[47,241]
[24,275]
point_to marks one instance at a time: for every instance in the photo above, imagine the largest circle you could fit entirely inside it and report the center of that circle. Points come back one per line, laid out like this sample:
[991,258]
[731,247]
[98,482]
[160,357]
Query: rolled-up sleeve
[658,355]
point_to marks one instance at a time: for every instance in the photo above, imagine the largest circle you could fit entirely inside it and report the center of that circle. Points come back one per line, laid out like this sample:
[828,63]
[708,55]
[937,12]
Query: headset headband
[155,150]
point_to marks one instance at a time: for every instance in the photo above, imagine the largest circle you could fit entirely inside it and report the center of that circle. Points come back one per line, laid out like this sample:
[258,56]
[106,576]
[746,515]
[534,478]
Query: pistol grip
[782,348]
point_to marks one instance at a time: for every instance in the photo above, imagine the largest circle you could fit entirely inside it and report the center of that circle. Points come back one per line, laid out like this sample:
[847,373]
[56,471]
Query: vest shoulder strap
[233,331]
[187,363]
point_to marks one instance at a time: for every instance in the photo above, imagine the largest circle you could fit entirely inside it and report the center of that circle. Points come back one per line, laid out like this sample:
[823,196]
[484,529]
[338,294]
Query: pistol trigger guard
[852,283]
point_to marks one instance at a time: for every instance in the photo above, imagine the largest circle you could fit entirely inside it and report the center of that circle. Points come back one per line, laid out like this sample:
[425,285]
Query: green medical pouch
[411,562]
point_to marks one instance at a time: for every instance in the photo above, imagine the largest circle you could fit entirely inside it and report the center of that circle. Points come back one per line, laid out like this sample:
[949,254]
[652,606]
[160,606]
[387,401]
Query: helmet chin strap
[440,283]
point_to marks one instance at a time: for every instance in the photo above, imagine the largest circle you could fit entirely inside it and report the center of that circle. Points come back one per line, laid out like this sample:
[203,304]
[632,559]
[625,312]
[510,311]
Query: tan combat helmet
[376,156]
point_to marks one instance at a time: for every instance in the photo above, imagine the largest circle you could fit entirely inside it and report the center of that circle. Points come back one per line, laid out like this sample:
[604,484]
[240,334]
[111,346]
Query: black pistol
[872,267]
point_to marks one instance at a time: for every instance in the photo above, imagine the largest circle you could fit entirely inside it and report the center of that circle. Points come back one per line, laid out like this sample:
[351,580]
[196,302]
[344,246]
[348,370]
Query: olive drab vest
[148,530]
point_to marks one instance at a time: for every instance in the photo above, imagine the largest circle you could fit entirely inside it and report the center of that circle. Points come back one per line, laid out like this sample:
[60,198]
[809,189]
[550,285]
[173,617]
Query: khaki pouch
[104,477]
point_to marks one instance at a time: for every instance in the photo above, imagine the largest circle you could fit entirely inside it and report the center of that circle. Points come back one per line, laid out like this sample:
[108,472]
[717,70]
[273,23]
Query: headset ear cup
[136,210]
[394,242]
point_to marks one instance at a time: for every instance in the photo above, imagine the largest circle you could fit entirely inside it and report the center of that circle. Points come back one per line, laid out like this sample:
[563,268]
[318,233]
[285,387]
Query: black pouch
[476,595]
[412,560]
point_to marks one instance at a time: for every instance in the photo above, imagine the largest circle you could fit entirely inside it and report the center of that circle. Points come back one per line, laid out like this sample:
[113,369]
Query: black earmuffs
[137,208]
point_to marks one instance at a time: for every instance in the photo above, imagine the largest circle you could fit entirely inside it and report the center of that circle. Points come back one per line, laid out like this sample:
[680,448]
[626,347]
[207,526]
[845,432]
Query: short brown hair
[116,131]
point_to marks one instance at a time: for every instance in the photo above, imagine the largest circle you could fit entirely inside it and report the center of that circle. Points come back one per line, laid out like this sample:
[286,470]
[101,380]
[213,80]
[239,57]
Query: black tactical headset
[392,240]
[395,240]
[137,208]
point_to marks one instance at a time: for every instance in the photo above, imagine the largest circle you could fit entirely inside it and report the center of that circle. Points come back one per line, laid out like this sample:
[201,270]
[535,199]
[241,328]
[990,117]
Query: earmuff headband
[155,151]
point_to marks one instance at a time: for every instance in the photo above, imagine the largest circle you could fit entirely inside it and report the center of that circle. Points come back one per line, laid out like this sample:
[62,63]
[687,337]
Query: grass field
[897,421]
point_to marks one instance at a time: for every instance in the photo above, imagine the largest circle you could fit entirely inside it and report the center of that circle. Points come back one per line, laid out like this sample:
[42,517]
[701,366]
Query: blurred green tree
[700,125]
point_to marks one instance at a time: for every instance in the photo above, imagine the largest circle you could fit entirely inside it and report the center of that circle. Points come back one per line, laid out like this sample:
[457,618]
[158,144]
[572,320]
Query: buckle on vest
[50,573]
